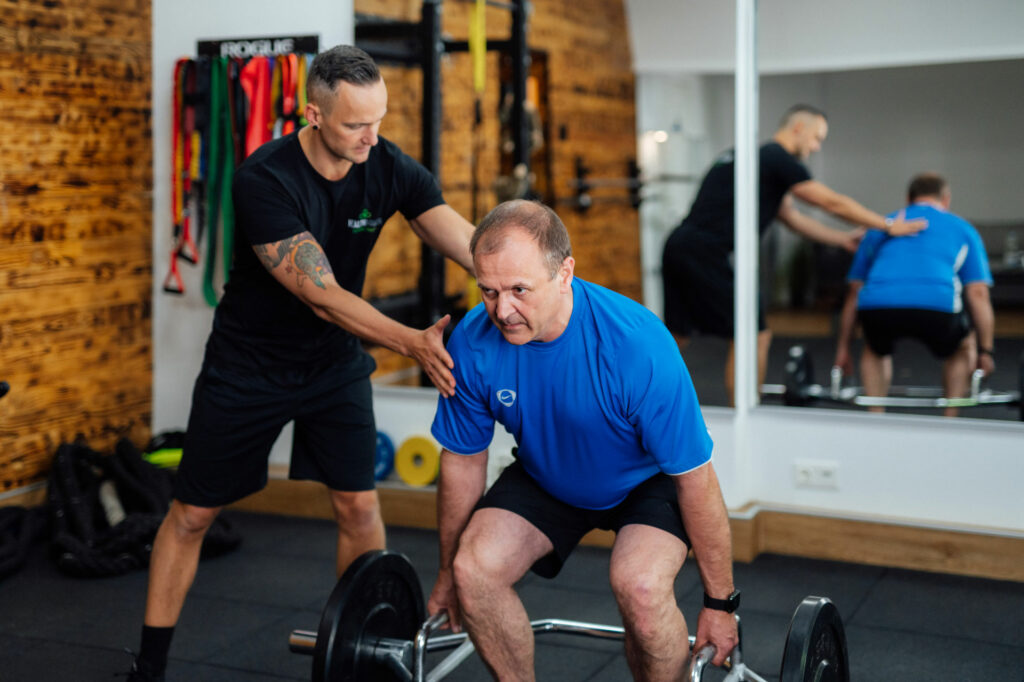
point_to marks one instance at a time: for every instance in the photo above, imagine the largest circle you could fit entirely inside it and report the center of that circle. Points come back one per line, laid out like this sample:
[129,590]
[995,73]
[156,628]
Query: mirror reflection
[881,128]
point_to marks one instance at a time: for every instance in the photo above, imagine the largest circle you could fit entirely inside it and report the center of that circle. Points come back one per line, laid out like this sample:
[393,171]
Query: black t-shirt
[278,194]
[711,218]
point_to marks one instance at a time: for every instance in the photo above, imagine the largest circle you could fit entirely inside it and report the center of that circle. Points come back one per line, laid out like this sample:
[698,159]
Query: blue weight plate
[384,457]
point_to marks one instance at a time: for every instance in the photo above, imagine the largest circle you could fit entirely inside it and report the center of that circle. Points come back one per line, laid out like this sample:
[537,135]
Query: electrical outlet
[816,473]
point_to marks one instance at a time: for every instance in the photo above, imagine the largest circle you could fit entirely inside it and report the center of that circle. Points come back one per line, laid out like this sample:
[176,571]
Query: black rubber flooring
[900,625]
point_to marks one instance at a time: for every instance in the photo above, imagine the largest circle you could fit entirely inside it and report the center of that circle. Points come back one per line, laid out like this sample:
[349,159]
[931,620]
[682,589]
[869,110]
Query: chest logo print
[506,397]
[365,222]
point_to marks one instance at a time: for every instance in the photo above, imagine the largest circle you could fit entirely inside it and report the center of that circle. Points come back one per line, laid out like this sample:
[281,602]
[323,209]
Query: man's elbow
[978,292]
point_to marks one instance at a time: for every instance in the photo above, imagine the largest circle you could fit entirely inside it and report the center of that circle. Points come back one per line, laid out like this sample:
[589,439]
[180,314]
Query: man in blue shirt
[609,435]
[917,286]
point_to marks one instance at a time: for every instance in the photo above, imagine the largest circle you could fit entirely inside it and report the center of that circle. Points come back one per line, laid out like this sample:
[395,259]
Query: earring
[316,127]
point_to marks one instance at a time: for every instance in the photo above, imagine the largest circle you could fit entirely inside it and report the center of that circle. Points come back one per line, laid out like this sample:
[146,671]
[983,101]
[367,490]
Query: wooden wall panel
[75,225]
[591,115]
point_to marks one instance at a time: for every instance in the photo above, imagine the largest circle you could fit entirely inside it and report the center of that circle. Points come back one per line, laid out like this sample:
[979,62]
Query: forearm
[848,317]
[979,305]
[852,211]
[815,230]
[707,524]
[356,316]
[460,486]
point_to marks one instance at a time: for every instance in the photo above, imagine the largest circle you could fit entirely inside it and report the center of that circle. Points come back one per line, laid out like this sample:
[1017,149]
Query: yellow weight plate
[418,461]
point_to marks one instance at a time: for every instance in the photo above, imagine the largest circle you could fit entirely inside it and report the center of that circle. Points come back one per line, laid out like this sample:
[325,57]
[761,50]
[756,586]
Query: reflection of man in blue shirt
[609,435]
[917,287]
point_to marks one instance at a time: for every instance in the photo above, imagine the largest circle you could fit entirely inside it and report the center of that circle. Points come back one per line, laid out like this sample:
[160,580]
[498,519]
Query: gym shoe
[140,671]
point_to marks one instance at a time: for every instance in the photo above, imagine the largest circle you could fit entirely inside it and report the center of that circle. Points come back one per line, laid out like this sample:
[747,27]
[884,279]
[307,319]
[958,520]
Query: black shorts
[237,415]
[941,332]
[698,288]
[652,503]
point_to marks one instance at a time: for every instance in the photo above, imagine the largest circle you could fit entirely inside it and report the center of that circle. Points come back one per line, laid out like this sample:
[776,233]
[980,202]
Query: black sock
[155,644]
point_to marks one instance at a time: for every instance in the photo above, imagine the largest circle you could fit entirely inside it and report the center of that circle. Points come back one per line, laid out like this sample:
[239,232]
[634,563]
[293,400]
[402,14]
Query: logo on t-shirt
[506,397]
[365,222]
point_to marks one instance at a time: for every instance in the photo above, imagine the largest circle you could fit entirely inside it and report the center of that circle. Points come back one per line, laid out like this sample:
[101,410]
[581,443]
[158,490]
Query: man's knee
[642,596]
[355,510]
[189,520]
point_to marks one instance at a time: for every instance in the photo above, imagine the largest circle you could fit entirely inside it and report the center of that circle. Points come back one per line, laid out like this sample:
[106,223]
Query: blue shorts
[652,503]
[238,414]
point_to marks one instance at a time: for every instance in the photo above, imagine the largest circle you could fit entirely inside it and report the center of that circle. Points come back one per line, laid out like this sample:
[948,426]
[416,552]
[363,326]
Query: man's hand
[719,629]
[844,360]
[986,362]
[444,598]
[851,240]
[428,350]
[900,227]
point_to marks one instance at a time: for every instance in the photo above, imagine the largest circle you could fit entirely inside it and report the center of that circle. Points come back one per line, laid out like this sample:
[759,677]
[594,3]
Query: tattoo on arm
[302,256]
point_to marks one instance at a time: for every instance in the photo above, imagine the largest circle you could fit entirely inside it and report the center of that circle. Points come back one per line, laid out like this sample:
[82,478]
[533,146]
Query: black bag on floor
[105,511]
[20,527]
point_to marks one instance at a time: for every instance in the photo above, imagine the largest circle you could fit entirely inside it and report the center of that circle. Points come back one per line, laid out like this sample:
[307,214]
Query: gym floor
[900,625]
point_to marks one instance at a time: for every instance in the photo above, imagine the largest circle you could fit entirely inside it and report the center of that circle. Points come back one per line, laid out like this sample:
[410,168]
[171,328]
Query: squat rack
[420,44]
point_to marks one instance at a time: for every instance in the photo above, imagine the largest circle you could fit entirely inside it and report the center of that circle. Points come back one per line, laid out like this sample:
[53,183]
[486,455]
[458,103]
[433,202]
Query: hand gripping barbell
[374,628]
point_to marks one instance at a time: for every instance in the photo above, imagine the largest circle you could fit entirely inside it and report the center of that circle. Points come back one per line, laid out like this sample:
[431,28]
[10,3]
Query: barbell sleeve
[302,642]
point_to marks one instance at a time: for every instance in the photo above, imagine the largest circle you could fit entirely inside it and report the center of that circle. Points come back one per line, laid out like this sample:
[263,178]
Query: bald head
[532,217]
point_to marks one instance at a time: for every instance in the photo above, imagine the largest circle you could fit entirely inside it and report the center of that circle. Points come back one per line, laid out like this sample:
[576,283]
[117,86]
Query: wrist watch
[729,604]
[888,225]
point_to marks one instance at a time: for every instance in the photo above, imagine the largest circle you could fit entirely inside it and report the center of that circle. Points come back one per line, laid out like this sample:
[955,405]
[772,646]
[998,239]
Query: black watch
[729,604]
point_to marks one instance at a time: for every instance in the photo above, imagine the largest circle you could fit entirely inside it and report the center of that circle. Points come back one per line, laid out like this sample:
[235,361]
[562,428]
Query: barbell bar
[373,628]
[799,389]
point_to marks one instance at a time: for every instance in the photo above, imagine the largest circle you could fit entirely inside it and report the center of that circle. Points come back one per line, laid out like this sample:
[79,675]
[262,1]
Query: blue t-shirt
[594,413]
[925,270]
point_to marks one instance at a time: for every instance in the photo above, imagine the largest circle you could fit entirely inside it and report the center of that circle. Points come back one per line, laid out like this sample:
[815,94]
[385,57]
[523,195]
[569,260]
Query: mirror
[886,124]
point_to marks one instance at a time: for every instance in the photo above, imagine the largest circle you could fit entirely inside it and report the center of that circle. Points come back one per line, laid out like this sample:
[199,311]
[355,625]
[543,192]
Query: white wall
[815,35]
[181,324]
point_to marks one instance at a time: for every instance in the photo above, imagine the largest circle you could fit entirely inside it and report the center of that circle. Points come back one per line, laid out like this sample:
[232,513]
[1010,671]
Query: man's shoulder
[270,153]
[619,316]
[474,333]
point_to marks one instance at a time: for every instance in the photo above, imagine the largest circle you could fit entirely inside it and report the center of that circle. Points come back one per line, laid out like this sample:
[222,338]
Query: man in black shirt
[285,344]
[697,271]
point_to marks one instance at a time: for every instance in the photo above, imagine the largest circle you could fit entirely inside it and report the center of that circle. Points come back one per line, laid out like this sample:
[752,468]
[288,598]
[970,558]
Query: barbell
[800,390]
[373,627]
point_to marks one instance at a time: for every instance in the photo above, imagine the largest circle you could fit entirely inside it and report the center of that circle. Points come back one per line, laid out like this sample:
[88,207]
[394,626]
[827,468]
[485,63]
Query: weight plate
[816,644]
[378,596]
[1020,386]
[384,457]
[418,461]
[799,377]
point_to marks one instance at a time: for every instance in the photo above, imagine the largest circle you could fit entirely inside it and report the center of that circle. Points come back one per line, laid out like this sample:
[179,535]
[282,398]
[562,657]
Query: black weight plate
[378,596]
[816,644]
[798,378]
[1020,386]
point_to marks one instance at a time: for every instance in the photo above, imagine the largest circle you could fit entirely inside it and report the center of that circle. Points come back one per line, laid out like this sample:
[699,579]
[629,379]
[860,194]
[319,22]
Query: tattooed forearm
[302,256]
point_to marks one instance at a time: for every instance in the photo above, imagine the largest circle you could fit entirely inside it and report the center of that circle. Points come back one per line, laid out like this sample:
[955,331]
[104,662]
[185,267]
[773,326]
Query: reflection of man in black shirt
[696,264]
[285,340]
